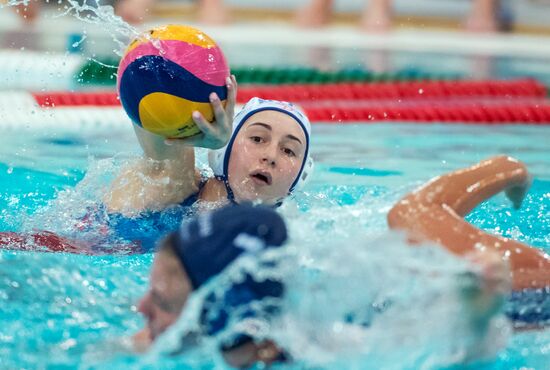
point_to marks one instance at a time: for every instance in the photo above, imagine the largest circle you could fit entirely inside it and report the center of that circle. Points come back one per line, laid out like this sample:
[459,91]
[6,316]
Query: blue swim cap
[209,243]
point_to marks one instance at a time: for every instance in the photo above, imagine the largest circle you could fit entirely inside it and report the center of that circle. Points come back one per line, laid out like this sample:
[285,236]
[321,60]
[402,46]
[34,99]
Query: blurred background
[368,16]
[473,39]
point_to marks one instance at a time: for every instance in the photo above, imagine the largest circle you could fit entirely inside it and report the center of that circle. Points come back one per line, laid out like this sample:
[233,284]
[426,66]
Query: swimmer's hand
[517,193]
[216,134]
[484,288]
[141,341]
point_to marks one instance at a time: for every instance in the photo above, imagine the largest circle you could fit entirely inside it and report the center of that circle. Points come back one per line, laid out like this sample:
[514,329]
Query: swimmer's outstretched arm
[167,175]
[435,212]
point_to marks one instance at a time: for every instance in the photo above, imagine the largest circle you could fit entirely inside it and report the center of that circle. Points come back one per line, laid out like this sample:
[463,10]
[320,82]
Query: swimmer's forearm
[435,213]
[153,185]
[464,189]
[530,267]
[158,148]
[531,278]
[458,192]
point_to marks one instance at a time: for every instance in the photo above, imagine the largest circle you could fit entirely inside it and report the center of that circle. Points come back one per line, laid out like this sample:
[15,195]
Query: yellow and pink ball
[168,73]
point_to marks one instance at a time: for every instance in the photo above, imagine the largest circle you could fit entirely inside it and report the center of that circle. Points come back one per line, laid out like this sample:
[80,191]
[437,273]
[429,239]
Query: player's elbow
[396,217]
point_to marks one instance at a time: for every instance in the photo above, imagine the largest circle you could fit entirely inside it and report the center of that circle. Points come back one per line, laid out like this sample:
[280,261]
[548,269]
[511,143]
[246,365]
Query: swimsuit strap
[193,198]
[230,195]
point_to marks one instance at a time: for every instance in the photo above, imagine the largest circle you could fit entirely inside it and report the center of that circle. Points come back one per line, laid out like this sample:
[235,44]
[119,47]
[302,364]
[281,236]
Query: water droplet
[69,343]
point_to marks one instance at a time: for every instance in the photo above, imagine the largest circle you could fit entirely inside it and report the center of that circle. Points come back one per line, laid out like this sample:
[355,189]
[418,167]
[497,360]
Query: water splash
[71,205]
[92,12]
[369,302]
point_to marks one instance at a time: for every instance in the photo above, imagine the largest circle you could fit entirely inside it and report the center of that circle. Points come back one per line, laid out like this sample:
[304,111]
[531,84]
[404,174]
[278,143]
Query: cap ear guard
[215,161]
[303,179]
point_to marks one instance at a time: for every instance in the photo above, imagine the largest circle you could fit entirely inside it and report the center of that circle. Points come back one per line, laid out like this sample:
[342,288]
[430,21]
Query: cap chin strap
[231,195]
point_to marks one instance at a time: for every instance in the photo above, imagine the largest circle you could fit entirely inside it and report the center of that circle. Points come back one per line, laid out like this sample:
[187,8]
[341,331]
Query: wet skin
[266,157]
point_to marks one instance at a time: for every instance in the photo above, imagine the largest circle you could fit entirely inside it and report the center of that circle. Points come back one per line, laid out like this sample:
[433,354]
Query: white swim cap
[219,158]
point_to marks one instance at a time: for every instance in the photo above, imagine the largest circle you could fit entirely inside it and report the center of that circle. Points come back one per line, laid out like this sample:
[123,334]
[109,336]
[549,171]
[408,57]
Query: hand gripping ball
[166,74]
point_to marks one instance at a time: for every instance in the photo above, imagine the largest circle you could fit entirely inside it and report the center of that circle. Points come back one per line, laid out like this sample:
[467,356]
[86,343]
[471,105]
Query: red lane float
[517,101]
[74,99]
[46,241]
[524,88]
[40,241]
[510,113]
[398,90]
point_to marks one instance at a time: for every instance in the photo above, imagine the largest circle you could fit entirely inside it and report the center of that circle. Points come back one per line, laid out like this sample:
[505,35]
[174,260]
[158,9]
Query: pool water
[63,311]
